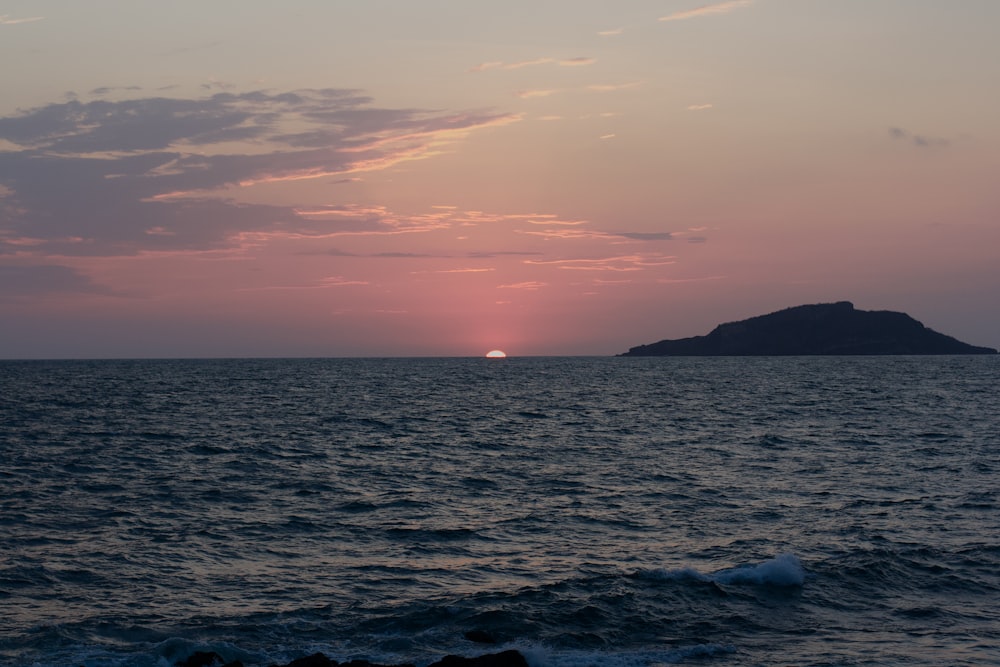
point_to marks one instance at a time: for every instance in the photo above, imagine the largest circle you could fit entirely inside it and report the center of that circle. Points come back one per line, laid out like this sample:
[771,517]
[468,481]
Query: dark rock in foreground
[820,329]
[502,659]
[480,637]
[206,659]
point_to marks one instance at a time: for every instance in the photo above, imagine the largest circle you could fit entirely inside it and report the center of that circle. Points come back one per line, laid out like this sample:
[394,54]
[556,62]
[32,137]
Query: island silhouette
[815,329]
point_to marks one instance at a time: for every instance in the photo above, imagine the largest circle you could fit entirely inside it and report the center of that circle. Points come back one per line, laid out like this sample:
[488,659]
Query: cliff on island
[819,329]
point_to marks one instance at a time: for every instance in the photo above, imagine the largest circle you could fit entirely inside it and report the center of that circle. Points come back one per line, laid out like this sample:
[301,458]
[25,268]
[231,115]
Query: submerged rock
[818,329]
[503,659]
[207,659]
[314,660]
[480,637]
[509,658]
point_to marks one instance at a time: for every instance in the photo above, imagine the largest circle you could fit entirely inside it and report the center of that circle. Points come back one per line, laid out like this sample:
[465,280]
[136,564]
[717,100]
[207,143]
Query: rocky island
[817,329]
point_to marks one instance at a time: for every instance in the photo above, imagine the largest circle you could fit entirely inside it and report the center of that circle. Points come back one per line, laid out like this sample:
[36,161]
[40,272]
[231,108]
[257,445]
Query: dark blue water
[594,511]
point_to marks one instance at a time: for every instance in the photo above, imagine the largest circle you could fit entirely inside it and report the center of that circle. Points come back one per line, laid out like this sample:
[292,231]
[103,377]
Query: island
[816,329]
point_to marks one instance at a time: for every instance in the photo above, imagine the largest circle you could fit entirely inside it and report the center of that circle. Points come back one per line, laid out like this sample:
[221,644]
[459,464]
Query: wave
[783,570]
[175,650]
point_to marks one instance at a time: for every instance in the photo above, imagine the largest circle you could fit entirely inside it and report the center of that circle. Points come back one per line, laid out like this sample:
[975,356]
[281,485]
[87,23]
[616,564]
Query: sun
[496,354]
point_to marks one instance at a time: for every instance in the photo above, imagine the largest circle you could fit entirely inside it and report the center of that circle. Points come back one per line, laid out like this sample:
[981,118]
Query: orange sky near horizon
[407,179]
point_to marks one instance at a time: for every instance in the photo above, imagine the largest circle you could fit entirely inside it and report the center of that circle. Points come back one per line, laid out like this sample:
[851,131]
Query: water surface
[586,511]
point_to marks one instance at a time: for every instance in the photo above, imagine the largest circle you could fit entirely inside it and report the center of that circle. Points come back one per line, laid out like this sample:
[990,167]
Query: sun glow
[496,354]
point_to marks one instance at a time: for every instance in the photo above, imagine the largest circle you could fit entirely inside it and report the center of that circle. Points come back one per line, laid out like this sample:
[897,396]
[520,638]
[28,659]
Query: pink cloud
[482,67]
[612,87]
[324,283]
[528,63]
[671,281]
[570,234]
[149,174]
[620,263]
[7,19]
[578,61]
[708,10]
[527,94]
[463,270]
[549,220]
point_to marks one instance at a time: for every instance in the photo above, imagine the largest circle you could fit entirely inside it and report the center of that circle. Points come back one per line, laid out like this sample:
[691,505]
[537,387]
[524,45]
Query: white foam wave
[783,570]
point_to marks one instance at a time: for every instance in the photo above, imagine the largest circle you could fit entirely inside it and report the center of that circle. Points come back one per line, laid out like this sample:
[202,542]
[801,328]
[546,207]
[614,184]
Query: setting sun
[496,354]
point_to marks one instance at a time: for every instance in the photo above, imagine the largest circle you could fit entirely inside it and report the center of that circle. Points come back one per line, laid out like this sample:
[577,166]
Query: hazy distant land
[817,329]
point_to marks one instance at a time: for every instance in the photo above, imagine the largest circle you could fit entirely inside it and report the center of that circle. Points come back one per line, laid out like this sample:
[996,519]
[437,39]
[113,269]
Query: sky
[241,178]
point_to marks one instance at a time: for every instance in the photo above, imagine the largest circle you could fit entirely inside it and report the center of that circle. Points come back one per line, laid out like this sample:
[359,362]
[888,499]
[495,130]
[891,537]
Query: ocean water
[612,512]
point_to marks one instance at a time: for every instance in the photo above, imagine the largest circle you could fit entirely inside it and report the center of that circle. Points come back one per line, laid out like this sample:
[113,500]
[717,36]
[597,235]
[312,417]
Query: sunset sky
[446,177]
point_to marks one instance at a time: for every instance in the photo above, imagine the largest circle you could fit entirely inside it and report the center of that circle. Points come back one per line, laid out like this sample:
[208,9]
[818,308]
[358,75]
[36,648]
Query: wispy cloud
[648,236]
[708,10]
[323,283]
[152,176]
[699,107]
[564,62]
[612,87]
[611,33]
[671,281]
[918,140]
[350,220]
[475,218]
[593,88]
[527,63]
[340,281]
[147,174]
[620,263]
[107,90]
[342,211]
[483,254]
[591,234]
[488,254]
[7,19]
[482,67]
[460,270]
[577,62]
[528,94]
[550,220]
[570,234]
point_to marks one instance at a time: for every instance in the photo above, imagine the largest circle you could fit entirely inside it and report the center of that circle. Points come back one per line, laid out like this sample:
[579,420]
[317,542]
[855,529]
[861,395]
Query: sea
[585,511]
